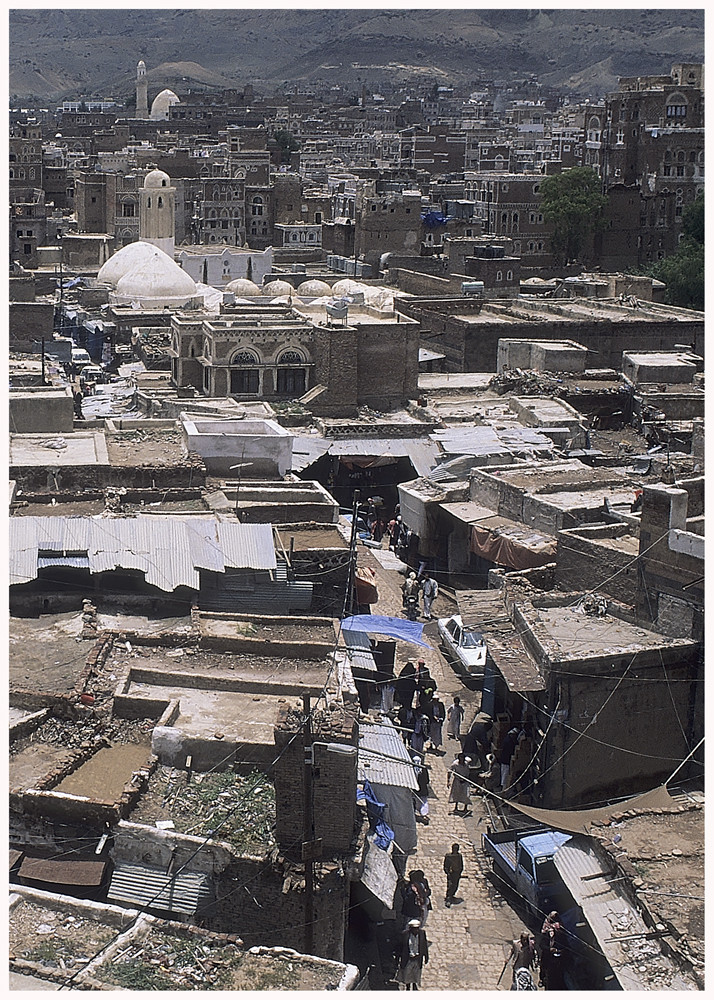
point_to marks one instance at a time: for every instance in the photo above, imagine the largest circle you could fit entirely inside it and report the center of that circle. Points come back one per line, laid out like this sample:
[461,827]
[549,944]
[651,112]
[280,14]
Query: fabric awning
[581,820]
[512,546]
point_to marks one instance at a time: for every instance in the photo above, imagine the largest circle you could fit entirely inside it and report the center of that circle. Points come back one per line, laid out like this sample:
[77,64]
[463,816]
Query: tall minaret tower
[142,99]
[157,208]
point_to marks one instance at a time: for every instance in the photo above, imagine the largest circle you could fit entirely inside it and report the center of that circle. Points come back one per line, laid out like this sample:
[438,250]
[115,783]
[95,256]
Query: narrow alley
[469,941]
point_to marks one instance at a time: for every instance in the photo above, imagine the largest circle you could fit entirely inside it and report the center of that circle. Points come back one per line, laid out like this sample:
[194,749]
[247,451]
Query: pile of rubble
[160,962]
[526,382]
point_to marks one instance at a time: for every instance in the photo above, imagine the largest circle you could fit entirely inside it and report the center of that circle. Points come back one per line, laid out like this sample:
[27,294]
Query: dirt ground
[55,939]
[198,804]
[667,852]
[46,653]
[161,961]
[317,539]
[188,659]
[146,447]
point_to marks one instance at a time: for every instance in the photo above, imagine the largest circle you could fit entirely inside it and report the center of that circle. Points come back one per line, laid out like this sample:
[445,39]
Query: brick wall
[334,783]
[657,709]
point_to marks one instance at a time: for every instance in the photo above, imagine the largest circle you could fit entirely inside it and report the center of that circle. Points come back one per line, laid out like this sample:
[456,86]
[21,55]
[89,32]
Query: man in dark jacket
[454,867]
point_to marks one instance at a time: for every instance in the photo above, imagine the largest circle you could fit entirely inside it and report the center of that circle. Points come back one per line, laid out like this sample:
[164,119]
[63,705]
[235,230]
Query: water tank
[472,288]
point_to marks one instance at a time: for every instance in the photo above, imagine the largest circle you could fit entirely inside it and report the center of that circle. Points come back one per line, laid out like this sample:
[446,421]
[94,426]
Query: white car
[465,645]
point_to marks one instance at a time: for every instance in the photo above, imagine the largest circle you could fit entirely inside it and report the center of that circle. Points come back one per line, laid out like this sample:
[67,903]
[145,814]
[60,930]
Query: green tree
[288,144]
[573,203]
[683,271]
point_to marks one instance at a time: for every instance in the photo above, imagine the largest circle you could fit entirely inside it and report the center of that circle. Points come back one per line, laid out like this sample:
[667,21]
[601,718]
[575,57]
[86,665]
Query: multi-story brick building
[509,205]
[653,144]
[275,352]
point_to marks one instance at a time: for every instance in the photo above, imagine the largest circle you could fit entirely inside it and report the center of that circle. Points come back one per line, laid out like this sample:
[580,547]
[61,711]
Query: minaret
[142,100]
[157,207]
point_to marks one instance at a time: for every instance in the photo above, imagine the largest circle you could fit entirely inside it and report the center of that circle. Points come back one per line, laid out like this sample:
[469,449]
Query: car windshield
[470,640]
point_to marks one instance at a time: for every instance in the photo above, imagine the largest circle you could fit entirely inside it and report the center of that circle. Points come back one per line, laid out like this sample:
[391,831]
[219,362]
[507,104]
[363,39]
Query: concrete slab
[245,718]
[51,450]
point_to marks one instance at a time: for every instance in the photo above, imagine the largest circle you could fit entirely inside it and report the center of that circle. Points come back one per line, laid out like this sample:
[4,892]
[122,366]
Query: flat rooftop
[52,450]
[572,632]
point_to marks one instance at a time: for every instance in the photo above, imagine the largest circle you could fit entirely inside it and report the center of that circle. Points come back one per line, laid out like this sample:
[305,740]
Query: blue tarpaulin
[397,628]
[384,834]
[432,220]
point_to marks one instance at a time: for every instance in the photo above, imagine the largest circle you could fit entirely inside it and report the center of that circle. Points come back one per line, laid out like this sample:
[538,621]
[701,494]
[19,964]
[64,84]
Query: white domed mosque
[141,272]
[161,104]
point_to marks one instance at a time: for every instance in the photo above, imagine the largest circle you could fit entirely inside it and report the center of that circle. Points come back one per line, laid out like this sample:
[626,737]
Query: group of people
[421,713]
[414,902]
[423,587]
[548,959]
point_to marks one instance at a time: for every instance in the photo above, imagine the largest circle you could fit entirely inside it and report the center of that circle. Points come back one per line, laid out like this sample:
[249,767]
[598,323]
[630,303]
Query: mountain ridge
[61,53]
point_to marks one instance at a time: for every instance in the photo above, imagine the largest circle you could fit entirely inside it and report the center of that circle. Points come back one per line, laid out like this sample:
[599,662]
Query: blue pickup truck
[524,858]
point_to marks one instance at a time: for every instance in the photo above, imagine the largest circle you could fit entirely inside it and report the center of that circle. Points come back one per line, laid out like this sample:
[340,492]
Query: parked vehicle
[466,646]
[411,607]
[524,858]
[91,374]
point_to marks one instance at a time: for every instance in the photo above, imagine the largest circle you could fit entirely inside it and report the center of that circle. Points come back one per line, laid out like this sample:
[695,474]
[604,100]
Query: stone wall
[664,571]
[584,563]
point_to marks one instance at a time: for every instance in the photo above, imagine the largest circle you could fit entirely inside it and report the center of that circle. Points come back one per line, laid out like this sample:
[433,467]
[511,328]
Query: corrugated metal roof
[359,649]
[382,757]
[169,550]
[610,915]
[187,892]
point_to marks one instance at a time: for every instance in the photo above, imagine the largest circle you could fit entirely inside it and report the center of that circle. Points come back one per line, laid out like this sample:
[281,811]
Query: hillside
[58,53]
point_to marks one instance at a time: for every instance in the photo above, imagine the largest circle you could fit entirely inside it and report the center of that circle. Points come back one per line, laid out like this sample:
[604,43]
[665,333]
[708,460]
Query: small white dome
[157,179]
[161,104]
[277,288]
[243,287]
[345,286]
[313,287]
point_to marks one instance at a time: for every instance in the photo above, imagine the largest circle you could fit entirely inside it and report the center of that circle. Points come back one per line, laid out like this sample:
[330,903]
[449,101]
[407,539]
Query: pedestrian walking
[430,591]
[438,714]
[406,718]
[422,796]
[523,956]
[454,867]
[455,716]
[414,954]
[505,753]
[420,733]
[552,949]
[406,685]
[457,781]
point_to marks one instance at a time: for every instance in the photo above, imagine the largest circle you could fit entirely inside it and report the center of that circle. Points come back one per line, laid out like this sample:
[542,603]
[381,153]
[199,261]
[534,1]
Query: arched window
[509,275]
[291,358]
[499,275]
[290,379]
[161,202]
[256,207]
[244,358]
[148,202]
[245,378]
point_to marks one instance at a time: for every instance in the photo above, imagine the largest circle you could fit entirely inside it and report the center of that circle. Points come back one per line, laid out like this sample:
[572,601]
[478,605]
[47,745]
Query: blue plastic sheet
[396,628]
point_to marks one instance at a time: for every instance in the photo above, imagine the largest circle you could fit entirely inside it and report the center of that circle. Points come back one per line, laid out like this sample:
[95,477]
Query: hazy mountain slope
[62,52]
